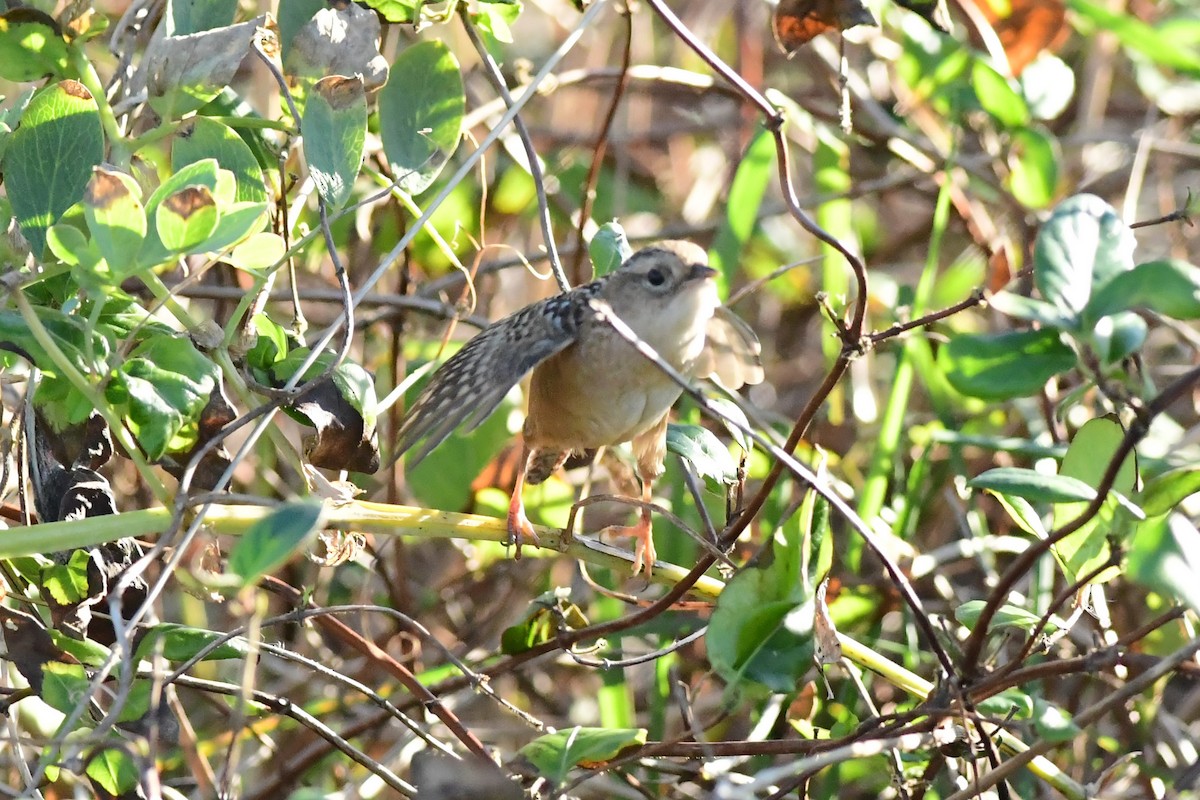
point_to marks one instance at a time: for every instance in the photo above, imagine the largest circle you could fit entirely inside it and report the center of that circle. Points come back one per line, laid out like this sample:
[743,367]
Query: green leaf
[1034,486]
[762,628]
[274,539]
[495,21]
[49,158]
[237,224]
[186,219]
[1005,617]
[271,345]
[113,209]
[556,753]
[69,333]
[609,248]
[64,686]
[1086,460]
[707,454]
[1137,35]
[67,584]
[335,129]
[32,46]
[194,16]
[113,770]
[1004,365]
[258,253]
[1030,308]
[86,651]
[1082,246]
[200,138]
[165,383]
[1022,512]
[1169,287]
[1052,723]
[181,643]
[741,209]
[420,114]
[1118,336]
[403,11]
[1032,167]
[998,97]
[1164,555]
[1168,490]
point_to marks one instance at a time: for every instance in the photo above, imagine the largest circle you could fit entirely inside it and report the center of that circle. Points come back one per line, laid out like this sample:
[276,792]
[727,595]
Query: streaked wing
[467,388]
[731,354]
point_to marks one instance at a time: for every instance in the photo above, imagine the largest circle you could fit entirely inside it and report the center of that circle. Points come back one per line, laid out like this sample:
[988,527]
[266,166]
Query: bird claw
[520,530]
[643,551]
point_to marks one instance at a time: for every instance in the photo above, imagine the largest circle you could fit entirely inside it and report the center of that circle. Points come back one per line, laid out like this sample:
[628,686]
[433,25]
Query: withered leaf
[1028,28]
[183,73]
[29,645]
[217,413]
[343,440]
[797,22]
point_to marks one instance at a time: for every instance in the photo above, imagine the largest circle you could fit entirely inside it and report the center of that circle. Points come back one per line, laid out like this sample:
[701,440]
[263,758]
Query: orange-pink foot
[520,529]
[643,551]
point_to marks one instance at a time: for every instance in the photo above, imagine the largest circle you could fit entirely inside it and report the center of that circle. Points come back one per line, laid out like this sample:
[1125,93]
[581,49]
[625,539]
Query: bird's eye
[656,277]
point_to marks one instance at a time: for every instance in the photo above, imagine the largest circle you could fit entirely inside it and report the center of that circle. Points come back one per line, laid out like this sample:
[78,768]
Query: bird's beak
[700,272]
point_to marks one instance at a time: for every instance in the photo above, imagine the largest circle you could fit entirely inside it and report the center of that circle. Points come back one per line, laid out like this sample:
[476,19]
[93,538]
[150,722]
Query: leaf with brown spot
[797,22]
[337,41]
[113,209]
[186,218]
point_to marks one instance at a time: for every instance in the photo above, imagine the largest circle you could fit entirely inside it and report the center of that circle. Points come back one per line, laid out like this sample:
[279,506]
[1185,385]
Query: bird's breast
[594,394]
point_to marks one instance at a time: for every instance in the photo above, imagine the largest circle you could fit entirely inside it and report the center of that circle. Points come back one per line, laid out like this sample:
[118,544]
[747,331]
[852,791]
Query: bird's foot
[520,529]
[643,551]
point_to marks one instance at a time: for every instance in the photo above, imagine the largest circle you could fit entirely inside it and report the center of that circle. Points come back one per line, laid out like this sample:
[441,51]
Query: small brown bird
[590,388]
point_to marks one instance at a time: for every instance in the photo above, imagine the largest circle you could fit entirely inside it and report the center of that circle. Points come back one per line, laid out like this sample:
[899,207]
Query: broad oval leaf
[1081,247]
[274,539]
[1169,287]
[49,159]
[556,753]
[112,206]
[998,97]
[762,628]
[335,130]
[1032,167]
[609,248]
[200,138]
[706,453]
[420,114]
[1164,555]
[31,46]
[1087,458]
[164,385]
[1005,365]
[114,770]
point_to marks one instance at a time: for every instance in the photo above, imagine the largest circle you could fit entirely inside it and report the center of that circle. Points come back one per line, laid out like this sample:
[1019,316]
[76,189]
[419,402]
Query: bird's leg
[643,550]
[520,529]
